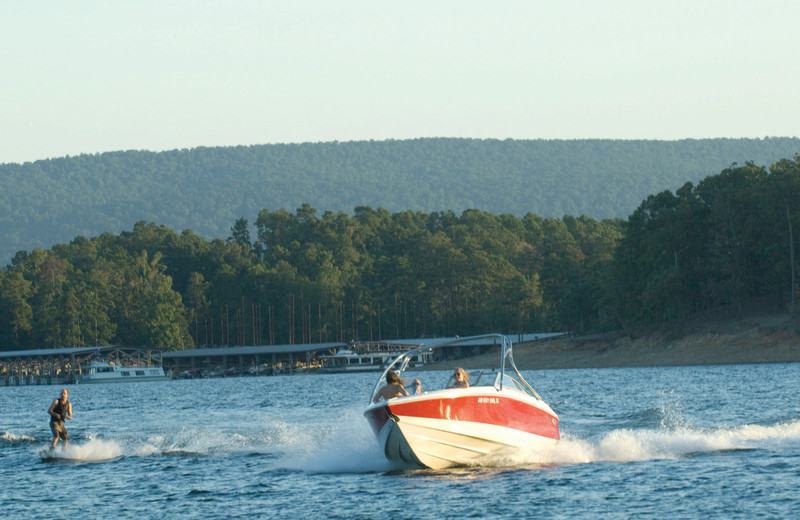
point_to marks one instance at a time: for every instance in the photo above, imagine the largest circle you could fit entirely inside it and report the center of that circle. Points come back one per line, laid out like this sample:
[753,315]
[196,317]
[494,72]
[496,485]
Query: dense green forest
[302,277]
[205,189]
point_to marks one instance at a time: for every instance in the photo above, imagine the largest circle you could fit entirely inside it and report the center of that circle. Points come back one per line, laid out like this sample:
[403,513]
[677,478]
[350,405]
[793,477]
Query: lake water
[682,442]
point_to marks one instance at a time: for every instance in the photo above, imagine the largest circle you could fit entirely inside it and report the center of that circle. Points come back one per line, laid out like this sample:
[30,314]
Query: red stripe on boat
[495,410]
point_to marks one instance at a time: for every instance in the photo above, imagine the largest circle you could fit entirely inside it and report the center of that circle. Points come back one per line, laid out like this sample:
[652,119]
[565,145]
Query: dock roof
[260,349]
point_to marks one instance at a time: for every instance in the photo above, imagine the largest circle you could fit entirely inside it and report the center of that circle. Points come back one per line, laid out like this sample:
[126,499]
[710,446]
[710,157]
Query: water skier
[59,411]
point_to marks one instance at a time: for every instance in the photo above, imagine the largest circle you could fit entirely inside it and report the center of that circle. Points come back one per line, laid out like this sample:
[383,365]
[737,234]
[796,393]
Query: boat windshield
[507,377]
[508,382]
[474,380]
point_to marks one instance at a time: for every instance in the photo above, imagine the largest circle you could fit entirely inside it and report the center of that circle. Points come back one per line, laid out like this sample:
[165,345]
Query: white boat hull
[104,372]
[92,380]
[439,444]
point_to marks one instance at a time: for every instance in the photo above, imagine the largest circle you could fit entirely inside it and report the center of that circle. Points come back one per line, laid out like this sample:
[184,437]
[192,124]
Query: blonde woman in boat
[460,378]
[394,387]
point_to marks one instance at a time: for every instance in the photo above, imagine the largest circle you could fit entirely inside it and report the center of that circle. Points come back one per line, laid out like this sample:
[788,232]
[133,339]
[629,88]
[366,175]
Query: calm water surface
[688,442]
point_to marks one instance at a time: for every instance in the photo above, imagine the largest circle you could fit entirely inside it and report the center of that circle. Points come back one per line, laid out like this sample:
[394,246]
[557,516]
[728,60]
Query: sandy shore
[763,339]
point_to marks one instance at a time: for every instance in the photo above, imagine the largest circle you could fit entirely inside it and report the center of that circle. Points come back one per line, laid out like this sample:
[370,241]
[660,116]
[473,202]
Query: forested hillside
[205,189]
[309,277]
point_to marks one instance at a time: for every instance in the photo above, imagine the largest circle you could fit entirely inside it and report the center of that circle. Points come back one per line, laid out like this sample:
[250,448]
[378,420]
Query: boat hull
[457,427]
[105,372]
[93,380]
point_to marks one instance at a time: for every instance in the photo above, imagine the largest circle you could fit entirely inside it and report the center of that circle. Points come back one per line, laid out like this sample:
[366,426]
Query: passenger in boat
[460,378]
[59,411]
[416,387]
[394,387]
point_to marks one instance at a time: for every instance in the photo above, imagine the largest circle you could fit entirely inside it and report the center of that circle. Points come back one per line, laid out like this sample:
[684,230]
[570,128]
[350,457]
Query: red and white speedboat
[458,426]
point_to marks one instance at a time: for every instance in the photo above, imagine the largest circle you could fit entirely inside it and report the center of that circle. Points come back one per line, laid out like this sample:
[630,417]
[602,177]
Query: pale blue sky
[89,76]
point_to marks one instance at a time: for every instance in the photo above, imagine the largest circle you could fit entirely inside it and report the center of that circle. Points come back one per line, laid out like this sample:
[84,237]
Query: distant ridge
[207,189]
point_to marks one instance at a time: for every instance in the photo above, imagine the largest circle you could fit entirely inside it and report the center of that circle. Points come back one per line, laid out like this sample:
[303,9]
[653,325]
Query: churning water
[677,442]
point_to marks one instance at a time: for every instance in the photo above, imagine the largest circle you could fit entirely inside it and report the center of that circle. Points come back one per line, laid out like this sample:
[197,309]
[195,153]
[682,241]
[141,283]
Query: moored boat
[367,357]
[108,372]
[458,426]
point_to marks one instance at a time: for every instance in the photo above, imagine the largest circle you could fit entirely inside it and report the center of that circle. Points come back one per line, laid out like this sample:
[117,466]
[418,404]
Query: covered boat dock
[60,366]
[298,359]
[246,360]
[64,365]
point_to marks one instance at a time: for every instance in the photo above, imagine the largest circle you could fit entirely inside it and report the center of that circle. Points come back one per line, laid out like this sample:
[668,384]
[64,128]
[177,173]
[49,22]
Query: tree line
[302,277]
[206,189]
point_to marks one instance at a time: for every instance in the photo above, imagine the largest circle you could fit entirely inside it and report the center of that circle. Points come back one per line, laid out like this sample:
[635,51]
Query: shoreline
[763,339]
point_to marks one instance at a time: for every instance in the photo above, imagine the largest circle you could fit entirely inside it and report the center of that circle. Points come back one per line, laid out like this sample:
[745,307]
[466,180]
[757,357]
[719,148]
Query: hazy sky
[92,76]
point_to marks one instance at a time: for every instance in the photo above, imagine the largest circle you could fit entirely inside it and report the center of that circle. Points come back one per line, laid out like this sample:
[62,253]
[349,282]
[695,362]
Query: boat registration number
[488,400]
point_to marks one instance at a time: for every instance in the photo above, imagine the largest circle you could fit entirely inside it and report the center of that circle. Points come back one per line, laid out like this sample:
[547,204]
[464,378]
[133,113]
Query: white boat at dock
[368,357]
[108,372]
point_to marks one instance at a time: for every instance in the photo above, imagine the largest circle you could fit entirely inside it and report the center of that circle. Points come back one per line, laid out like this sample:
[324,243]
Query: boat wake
[186,442]
[195,442]
[94,450]
[352,448]
[12,439]
[630,445]
[347,445]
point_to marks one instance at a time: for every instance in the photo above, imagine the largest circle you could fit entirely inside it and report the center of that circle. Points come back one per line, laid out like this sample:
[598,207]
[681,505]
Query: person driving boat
[394,387]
